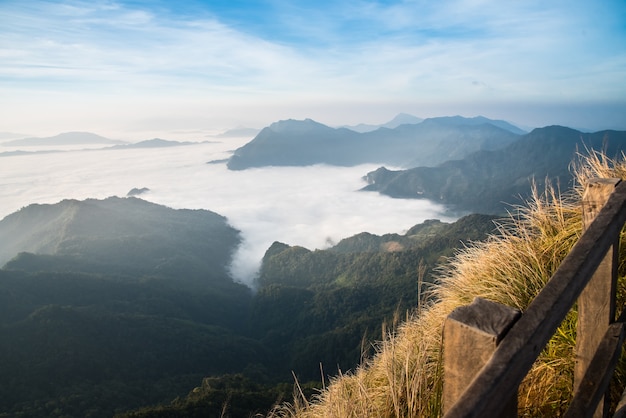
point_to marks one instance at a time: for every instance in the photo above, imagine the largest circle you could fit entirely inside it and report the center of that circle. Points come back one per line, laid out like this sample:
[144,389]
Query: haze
[310,206]
[140,69]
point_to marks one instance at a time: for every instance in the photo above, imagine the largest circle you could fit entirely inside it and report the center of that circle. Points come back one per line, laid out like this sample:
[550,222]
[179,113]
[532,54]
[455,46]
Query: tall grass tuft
[404,377]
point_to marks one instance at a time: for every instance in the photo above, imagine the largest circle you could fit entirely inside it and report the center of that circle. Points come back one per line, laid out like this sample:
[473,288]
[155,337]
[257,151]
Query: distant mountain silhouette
[20,152]
[238,132]
[478,120]
[489,181]
[402,119]
[300,143]
[67,138]
[399,119]
[153,143]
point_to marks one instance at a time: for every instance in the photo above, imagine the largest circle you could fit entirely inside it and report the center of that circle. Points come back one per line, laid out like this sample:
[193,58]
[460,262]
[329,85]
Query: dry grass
[404,378]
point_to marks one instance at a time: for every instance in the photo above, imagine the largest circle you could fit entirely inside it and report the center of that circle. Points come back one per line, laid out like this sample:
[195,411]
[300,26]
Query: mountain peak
[295,126]
[402,119]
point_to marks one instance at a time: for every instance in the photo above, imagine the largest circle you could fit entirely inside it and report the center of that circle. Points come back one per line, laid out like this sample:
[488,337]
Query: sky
[128,67]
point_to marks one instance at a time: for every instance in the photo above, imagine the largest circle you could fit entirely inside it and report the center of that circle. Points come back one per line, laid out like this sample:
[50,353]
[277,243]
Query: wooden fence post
[470,336]
[596,304]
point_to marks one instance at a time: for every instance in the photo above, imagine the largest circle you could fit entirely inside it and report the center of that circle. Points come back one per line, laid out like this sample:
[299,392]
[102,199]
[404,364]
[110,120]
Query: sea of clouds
[312,206]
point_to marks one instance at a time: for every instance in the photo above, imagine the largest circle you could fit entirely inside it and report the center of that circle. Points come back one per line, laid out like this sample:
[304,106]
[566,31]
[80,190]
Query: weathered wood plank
[471,333]
[596,304]
[522,344]
[595,382]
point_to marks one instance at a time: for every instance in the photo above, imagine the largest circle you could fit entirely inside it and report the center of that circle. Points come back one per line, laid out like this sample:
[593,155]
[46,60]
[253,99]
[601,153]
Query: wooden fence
[489,348]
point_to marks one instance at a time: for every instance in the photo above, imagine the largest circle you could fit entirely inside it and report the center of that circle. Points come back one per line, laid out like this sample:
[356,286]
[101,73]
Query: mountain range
[428,143]
[88,138]
[152,143]
[66,138]
[399,119]
[489,181]
[237,132]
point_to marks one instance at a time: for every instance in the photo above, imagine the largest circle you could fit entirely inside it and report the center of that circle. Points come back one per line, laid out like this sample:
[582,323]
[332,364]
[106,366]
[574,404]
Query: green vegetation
[224,396]
[318,306]
[404,378]
[131,305]
[68,340]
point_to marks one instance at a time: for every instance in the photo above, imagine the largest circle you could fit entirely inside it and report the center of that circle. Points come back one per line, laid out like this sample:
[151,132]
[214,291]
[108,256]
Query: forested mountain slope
[319,311]
[118,303]
[129,303]
[316,306]
[127,235]
[490,181]
[123,303]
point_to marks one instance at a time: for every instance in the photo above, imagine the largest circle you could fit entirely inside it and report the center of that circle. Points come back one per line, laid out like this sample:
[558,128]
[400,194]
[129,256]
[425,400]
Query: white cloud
[62,58]
[305,206]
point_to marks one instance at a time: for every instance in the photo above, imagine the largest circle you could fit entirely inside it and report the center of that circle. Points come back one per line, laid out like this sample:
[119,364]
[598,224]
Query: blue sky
[131,66]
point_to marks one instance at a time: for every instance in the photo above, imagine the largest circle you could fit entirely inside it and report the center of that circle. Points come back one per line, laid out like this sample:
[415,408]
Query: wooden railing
[489,348]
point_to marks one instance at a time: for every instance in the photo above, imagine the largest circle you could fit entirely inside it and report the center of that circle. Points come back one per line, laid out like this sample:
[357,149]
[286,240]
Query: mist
[313,207]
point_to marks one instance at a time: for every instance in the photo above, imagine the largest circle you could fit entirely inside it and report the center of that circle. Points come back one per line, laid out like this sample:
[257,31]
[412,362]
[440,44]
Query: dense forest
[95,326]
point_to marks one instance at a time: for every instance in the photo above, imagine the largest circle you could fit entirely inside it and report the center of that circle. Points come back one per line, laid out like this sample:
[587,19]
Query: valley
[218,285]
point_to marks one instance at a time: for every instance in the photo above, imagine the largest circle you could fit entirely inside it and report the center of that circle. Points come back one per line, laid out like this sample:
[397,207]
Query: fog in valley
[312,206]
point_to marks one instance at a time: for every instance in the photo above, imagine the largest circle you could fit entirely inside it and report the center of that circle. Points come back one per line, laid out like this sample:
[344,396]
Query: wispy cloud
[293,52]
[126,41]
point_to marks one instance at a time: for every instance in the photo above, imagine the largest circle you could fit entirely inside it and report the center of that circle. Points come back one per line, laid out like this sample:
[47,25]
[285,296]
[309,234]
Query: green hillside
[316,306]
[111,305]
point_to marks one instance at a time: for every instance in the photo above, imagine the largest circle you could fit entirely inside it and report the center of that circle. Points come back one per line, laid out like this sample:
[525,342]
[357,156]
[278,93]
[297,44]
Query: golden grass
[404,377]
